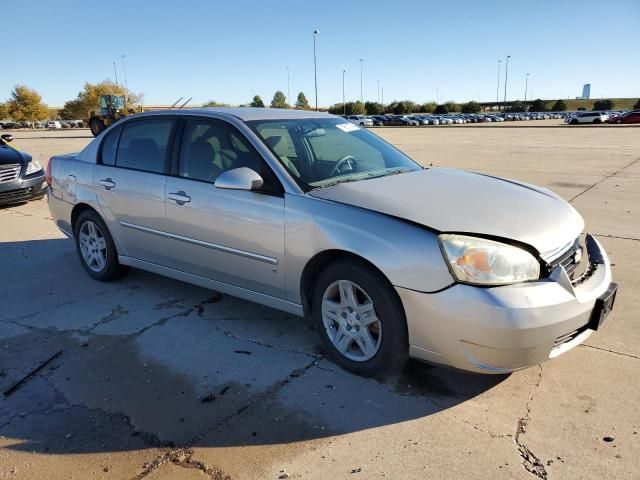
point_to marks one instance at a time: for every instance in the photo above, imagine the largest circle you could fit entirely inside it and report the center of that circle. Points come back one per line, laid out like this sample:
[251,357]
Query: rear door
[231,236]
[130,183]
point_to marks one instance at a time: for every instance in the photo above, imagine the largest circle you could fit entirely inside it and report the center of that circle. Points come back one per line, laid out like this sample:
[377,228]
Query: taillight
[47,174]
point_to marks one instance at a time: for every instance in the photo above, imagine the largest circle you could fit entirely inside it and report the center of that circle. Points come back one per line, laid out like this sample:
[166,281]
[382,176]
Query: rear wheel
[97,126]
[597,120]
[360,319]
[96,248]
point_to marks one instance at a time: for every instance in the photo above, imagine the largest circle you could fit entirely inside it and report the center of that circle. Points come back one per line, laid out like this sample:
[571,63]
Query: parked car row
[447,119]
[49,124]
[616,117]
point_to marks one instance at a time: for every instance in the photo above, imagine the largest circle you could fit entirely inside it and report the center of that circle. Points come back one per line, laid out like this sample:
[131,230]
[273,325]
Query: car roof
[243,113]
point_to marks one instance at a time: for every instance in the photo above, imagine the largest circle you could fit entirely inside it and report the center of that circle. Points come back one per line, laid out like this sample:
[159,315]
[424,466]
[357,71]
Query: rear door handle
[179,197]
[107,183]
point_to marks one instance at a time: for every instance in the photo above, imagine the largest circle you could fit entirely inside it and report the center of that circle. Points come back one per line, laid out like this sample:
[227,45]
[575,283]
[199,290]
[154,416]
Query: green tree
[441,109]
[25,104]
[538,105]
[213,103]
[88,99]
[4,111]
[517,106]
[302,103]
[402,107]
[471,107]
[605,104]
[374,108]
[637,105]
[559,106]
[452,106]
[257,102]
[279,100]
[428,107]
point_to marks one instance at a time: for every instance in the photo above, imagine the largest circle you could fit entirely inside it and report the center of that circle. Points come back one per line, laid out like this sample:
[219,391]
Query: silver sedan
[311,214]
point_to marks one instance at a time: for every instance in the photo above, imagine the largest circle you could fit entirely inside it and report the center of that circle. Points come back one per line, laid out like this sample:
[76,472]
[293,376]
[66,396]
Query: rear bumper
[23,189]
[503,329]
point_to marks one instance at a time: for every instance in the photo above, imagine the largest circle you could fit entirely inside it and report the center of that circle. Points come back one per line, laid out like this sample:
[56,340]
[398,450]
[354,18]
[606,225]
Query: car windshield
[320,152]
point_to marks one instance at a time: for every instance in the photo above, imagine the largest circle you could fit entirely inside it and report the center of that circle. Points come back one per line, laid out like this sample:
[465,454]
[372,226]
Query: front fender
[407,254]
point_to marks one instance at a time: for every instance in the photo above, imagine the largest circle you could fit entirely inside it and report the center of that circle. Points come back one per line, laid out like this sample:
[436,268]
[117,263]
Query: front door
[231,236]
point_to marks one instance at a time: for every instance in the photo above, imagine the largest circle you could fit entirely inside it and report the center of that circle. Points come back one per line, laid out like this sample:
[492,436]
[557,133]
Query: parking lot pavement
[160,379]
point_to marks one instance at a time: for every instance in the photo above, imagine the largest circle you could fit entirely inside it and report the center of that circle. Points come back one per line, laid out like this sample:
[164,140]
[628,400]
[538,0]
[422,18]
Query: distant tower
[586,91]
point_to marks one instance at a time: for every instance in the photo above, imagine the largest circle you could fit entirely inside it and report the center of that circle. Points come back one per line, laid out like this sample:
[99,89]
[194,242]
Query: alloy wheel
[350,321]
[93,246]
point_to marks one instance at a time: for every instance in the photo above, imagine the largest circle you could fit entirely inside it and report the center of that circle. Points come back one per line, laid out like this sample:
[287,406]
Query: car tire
[597,120]
[96,248]
[372,326]
[619,121]
[574,122]
[96,126]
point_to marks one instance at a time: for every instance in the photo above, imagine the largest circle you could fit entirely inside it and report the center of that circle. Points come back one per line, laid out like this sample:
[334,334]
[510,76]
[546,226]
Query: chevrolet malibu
[311,214]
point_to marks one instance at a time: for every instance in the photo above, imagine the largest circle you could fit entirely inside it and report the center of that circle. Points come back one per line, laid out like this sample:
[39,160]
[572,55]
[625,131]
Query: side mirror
[242,178]
[7,137]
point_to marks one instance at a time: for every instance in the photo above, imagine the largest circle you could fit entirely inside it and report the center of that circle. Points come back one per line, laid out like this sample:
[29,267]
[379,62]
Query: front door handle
[107,183]
[179,197]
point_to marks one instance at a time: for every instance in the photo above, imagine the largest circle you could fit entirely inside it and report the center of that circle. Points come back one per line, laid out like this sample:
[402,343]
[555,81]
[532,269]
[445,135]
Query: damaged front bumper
[503,329]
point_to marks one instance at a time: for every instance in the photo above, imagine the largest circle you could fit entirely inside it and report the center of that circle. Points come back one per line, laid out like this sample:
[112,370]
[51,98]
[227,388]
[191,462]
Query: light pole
[288,89]
[378,91]
[124,67]
[361,97]
[498,89]
[344,105]
[526,86]
[506,78]
[115,71]
[315,66]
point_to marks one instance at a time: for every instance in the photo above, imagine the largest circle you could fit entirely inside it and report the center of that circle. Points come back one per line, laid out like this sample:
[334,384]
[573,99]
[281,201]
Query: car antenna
[185,102]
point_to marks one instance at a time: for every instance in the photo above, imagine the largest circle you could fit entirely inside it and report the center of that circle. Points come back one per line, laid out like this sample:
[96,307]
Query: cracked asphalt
[162,380]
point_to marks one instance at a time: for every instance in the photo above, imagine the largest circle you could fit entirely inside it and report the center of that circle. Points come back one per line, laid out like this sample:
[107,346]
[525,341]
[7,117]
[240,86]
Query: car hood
[450,200]
[10,155]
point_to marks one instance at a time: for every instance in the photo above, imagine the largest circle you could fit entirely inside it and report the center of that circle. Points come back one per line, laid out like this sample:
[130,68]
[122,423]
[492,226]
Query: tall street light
[288,89]
[124,67]
[315,66]
[378,91]
[344,105]
[506,78]
[498,89]
[361,96]
[526,86]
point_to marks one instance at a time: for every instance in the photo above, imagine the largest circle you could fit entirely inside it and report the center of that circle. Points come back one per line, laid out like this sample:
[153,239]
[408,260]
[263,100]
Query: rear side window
[143,145]
[110,146]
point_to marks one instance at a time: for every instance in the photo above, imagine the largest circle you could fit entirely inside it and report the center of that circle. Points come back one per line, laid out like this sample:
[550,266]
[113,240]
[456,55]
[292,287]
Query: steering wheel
[346,160]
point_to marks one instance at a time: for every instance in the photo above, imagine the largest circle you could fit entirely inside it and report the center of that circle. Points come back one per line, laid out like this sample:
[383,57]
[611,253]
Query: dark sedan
[629,117]
[21,177]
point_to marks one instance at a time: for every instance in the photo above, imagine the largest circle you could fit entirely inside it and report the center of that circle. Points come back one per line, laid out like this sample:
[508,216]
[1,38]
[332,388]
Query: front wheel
[96,248]
[360,319]
[574,122]
[96,126]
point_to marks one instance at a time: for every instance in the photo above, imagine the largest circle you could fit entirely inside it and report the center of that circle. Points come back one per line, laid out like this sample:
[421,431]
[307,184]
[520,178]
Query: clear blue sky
[232,50]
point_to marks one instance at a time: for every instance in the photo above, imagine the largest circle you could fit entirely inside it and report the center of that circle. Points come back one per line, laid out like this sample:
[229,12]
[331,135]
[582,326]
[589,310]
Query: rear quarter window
[110,147]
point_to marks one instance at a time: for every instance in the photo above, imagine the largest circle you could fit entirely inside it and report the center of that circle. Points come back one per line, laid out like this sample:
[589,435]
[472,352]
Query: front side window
[210,147]
[143,145]
[323,151]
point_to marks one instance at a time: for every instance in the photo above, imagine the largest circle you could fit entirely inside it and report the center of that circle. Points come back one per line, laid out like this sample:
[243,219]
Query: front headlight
[32,167]
[485,262]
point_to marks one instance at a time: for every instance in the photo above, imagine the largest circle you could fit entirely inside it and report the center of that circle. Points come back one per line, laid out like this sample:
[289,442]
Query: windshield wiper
[336,182]
[395,171]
